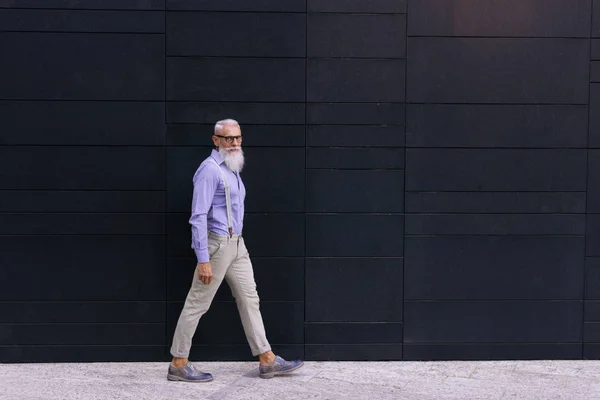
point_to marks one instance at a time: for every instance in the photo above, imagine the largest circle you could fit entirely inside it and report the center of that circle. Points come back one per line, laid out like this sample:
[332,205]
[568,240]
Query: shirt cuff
[202,256]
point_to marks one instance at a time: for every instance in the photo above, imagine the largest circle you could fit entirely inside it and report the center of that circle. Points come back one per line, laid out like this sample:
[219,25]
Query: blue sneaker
[188,373]
[279,367]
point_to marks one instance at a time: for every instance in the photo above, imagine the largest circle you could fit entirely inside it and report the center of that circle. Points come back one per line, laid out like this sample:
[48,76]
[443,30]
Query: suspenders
[227,198]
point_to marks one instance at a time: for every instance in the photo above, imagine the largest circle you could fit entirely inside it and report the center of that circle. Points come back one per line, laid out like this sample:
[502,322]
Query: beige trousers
[229,259]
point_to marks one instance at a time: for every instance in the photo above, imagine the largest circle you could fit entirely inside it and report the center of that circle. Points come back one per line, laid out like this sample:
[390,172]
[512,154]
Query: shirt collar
[215,154]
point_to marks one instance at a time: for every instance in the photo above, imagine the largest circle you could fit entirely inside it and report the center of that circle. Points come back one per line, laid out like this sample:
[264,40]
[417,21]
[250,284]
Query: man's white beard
[233,159]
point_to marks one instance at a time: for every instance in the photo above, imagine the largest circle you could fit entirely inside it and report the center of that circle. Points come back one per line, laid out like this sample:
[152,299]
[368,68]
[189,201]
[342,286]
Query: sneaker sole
[175,378]
[272,374]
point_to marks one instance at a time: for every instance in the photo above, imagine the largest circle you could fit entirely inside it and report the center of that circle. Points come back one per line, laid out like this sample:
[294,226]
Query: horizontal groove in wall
[202,124]
[353,13]
[83,300]
[82,190]
[78,323]
[484,343]
[45,302]
[117,191]
[353,124]
[306,213]
[138,146]
[80,345]
[492,235]
[277,102]
[253,257]
[192,57]
[351,322]
[84,234]
[408,191]
[286,58]
[480,300]
[78,234]
[79,212]
[497,37]
[353,258]
[178,10]
[356,169]
[83,9]
[243,344]
[207,146]
[169,11]
[489,213]
[495,191]
[86,32]
[233,301]
[245,146]
[494,148]
[350,344]
[284,102]
[498,104]
[5,99]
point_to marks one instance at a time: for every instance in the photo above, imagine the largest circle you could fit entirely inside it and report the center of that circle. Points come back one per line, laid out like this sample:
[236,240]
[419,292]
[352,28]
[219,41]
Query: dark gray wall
[82,173]
[496,166]
[423,176]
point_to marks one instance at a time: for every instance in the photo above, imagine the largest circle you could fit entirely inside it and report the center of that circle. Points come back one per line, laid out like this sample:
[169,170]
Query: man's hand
[205,272]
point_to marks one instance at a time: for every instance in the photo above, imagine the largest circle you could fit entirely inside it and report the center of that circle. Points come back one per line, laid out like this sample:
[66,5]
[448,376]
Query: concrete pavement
[490,380]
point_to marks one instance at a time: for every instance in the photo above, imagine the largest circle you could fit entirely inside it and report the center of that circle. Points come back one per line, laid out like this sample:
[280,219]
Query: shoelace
[192,367]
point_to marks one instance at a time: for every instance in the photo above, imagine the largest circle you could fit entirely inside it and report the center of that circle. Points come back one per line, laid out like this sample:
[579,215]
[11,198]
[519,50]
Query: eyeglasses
[230,139]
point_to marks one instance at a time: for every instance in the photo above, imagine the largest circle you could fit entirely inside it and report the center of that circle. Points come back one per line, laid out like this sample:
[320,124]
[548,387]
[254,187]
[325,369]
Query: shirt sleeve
[205,181]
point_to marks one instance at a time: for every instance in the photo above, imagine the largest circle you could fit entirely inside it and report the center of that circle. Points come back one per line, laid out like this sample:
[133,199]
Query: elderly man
[217,221]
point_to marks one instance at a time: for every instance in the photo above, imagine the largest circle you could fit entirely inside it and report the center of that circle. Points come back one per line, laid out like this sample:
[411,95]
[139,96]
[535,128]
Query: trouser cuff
[260,350]
[179,355]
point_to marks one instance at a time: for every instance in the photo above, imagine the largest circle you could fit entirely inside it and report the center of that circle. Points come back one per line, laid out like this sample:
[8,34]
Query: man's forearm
[200,237]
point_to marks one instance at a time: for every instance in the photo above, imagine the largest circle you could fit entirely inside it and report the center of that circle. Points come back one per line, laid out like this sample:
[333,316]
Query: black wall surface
[423,175]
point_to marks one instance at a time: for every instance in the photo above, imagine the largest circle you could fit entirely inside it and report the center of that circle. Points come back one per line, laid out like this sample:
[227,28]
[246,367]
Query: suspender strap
[227,197]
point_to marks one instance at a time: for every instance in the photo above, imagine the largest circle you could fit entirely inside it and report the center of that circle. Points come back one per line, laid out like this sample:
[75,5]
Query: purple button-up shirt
[209,207]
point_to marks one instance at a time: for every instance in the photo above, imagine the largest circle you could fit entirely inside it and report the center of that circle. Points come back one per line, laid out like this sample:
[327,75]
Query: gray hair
[223,123]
